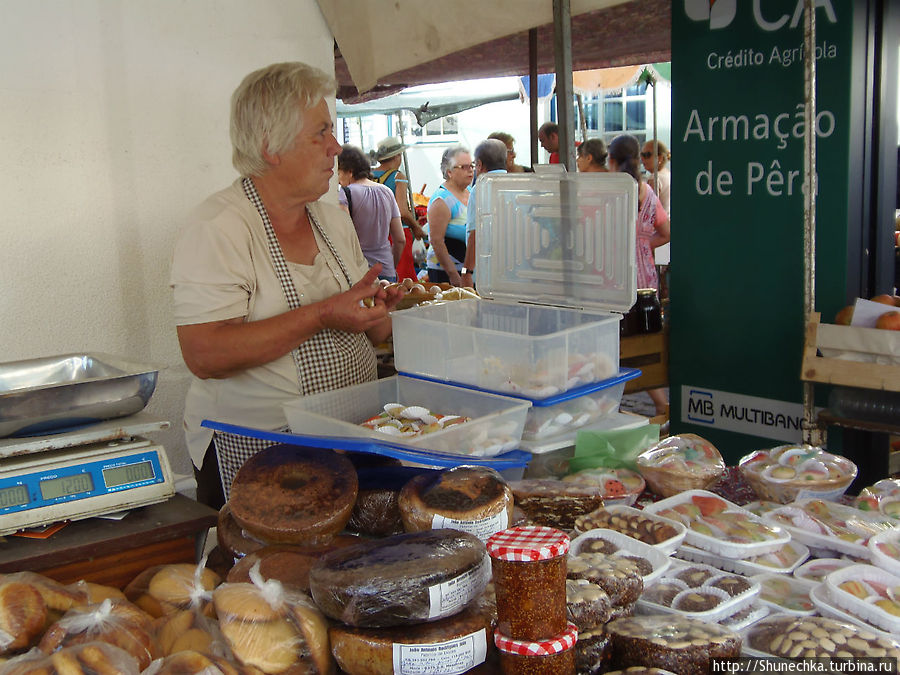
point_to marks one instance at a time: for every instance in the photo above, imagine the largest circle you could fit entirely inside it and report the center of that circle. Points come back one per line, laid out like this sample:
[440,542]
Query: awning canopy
[383,46]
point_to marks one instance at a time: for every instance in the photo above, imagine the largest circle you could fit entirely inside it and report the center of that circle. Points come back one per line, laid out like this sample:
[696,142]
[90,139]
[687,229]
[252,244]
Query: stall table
[113,552]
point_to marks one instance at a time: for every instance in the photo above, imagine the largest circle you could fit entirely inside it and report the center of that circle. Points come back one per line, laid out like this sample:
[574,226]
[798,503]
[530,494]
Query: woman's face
[460,173]
[510,157]
[583,162]
[309,165]
[648,157]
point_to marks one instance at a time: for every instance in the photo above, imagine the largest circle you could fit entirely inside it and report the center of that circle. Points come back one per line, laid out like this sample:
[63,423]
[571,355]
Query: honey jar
[529,572]
[547,657]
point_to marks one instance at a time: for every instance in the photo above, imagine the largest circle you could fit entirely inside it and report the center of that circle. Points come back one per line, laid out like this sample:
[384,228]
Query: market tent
[610,80]
[384,46]
[429,103]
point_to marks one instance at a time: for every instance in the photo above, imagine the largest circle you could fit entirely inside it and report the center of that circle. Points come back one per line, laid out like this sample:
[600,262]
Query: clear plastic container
[829,526]
[627,546]
[827,607]
[817,569]
[885,550]
[524,350]
[561,415]
[782,561]
[563,243]
[867,592]
[785,593]
[635,523]
[726,603]
[704,515]
[495,426]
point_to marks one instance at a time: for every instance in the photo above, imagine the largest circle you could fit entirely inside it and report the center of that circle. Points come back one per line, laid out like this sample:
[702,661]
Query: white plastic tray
[626,544]
[771,590]
[826,542]
[748,566]
[883,560]
[725,609]
[722,547]
[864,609]
[668,546]
[828,608]
[806,571]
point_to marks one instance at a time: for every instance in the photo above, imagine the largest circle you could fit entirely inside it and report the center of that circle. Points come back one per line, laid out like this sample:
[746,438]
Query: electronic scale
[88,472]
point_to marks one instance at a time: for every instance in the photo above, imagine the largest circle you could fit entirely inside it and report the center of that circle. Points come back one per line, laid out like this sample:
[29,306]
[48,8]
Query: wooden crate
[650,353]
[840,372]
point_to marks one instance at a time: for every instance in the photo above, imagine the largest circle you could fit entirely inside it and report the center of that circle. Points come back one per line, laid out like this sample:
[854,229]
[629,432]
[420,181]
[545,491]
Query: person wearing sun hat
[389,155]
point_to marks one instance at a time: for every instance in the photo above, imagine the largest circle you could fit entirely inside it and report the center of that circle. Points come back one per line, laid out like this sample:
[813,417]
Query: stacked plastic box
[555,269]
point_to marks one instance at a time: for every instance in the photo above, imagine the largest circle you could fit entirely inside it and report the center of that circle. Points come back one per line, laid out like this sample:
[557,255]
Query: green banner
[737,324]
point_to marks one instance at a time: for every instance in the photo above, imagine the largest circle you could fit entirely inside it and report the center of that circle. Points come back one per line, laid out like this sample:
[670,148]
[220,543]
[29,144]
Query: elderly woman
[447,217]
[591,155]
[269,283]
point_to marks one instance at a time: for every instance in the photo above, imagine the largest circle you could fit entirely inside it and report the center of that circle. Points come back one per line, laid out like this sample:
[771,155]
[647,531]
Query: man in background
[548,137]
[490,157]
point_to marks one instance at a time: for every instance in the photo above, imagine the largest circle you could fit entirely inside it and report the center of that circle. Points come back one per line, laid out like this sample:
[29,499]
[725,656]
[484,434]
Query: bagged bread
[118,623]
[189,662]
[166,589]
[189,630]
[90,658]
[23,614]
[272,629]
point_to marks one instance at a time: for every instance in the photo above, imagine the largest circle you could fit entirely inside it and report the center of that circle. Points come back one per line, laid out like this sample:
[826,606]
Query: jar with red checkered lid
[529,571]
[547,657]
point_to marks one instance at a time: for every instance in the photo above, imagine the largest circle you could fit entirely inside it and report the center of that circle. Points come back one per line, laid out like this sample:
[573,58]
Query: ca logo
[719,13]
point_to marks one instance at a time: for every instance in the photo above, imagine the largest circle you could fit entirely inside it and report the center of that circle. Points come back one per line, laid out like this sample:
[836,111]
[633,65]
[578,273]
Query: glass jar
[547,657]
[529,571]
[649,311]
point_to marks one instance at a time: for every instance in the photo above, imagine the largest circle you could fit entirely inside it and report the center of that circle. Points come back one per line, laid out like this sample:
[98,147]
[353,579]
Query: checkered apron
[330,359]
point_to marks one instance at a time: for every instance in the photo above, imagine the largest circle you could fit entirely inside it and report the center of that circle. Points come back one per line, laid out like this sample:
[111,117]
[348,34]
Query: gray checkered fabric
[330,359]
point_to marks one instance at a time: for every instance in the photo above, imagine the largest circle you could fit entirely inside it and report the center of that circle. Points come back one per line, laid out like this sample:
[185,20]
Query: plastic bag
[167,589]
[121,624]
[189,662]
[271,628]
[91,658]
[613,449]
[29,603]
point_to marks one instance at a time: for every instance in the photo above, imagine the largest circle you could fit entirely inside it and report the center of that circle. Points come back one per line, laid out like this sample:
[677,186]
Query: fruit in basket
[845,316]
[888,321]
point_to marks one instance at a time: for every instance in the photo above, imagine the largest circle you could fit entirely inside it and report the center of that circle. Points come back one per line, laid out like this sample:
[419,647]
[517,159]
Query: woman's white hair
[267,111]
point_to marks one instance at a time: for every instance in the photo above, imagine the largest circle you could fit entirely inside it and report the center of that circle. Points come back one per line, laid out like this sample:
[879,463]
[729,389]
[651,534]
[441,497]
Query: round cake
[295,495]
[467,498]
[404,579]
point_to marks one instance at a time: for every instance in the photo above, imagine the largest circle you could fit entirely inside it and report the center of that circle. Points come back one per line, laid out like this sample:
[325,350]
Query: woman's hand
[358,309]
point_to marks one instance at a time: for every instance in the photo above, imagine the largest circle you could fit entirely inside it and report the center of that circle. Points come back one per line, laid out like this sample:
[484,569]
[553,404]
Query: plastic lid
[565,239]
[529,543]
[555,645]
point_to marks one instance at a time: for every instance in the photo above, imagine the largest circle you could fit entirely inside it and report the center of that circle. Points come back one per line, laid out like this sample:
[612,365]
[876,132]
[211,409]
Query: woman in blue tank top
[447,217]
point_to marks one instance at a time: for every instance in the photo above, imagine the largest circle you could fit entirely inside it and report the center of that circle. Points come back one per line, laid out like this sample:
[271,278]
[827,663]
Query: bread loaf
[377,512]
[232,538]
[290,494]
[452,645]
[165,589]
[117,623]
[23,615]
[404,579]
[276,631]
[472,499]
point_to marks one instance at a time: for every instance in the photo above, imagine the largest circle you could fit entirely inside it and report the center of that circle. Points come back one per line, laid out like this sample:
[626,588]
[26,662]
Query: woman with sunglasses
[661,159]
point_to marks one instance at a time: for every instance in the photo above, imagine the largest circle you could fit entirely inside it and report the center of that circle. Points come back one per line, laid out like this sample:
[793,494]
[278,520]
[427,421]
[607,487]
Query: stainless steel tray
[45,395]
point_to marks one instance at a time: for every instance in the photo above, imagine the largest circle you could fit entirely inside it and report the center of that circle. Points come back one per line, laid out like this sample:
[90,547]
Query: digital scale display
[55,488]
[79,479]
[13,496]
